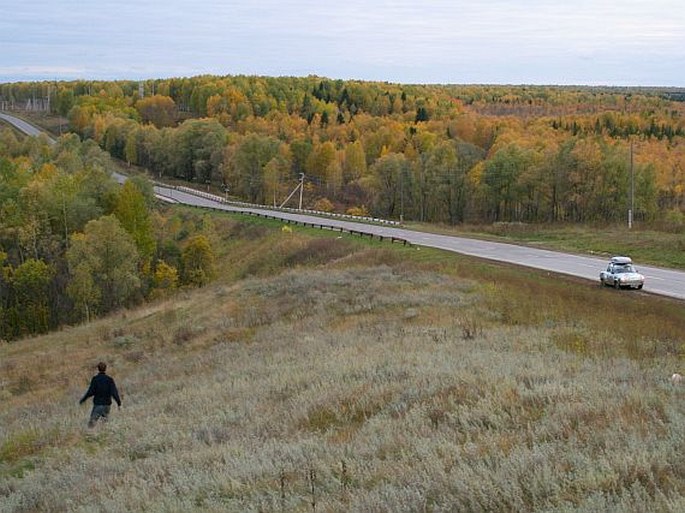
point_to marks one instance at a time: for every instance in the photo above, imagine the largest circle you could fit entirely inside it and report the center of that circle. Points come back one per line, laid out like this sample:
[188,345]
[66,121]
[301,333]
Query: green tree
[64,100]
[6,329]
[390,177]
[31,281]
[274,175]
[421,114]
[300,150]
[131,147]
[103,260]
[70,204]
[83,290]
[132,212]
[245,172]
[645,192]
[197,150]
[34,232]
[501,176]
[446,178]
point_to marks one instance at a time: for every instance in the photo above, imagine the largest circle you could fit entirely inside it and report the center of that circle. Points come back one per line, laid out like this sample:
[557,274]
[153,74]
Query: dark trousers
[99,411]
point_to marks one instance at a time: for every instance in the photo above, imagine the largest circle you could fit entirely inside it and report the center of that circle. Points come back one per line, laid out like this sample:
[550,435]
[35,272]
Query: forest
[433,153]
[75,245]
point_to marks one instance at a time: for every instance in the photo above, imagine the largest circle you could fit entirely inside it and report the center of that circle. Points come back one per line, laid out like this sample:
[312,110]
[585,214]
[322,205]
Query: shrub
[324,205]
[361,211]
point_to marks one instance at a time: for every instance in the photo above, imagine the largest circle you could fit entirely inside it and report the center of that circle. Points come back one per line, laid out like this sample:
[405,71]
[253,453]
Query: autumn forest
[450,154]
[444,154]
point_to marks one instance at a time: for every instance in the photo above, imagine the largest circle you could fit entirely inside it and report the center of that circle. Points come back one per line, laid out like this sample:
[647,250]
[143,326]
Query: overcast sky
[593,42]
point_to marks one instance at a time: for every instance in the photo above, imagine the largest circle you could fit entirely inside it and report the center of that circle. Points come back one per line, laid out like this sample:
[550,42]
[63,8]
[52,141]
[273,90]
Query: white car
[621,274]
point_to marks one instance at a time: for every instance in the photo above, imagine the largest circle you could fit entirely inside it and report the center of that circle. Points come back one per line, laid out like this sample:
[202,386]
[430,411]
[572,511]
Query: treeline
[448,154]
[74,244]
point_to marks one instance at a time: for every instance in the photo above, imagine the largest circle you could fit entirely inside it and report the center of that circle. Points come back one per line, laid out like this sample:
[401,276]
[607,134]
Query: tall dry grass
[366,383]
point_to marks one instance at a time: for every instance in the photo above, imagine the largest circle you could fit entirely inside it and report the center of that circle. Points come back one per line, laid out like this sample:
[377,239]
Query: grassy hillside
[323,373]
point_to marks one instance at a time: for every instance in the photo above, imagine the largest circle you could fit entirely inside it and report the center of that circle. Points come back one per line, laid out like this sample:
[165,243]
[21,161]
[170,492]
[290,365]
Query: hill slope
[338,375]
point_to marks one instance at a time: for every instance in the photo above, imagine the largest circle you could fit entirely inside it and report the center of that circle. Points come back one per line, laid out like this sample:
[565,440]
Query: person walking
[102,389]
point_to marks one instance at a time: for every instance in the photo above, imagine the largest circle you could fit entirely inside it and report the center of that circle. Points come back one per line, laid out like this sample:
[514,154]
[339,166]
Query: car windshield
[618,269]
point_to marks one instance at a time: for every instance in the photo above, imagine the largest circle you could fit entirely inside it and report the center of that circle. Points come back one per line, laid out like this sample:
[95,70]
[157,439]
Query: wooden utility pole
[299,186]
[632,189]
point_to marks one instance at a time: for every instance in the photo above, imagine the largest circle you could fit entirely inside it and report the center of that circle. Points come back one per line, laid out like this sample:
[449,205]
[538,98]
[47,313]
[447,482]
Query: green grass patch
[20,445]
[17,453]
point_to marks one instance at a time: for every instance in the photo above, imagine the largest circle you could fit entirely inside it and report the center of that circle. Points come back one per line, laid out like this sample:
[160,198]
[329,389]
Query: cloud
[398,40]
[41,71]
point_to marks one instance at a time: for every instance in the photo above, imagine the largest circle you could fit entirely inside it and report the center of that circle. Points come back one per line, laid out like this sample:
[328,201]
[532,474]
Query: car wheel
[617,284]
[639,287]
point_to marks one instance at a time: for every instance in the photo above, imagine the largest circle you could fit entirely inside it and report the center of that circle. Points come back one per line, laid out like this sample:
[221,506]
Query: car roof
[621,260]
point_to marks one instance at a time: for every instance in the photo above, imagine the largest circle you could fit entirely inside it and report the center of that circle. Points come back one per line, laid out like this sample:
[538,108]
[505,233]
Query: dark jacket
[102,389]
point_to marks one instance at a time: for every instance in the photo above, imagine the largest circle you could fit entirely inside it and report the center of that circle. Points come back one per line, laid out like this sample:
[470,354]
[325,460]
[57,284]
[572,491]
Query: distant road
[25,127]
[660,281]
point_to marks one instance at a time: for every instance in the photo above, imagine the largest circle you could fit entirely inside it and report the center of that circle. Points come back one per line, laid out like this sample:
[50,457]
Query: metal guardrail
[322,226]
[320,213]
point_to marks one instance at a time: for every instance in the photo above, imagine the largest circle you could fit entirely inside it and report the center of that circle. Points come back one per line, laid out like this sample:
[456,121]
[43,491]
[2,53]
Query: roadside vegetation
[322,372]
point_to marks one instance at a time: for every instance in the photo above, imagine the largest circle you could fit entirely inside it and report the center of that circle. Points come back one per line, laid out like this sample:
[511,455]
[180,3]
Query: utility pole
[632,189]
[402,196]
[301,188]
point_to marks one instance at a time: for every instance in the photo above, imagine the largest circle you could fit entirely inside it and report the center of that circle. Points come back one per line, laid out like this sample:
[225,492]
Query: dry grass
[367,383]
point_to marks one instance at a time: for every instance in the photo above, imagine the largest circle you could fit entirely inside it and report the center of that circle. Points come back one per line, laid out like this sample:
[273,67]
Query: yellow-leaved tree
[197,261]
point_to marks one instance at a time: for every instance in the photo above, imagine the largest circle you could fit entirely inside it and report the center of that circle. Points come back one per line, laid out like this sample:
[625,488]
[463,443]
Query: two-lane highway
[25,127]
[660,281]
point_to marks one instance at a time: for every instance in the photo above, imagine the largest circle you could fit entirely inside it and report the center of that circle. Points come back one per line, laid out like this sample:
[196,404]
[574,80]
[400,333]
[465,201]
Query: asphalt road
[660,281]
[25,127]
[657,280]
